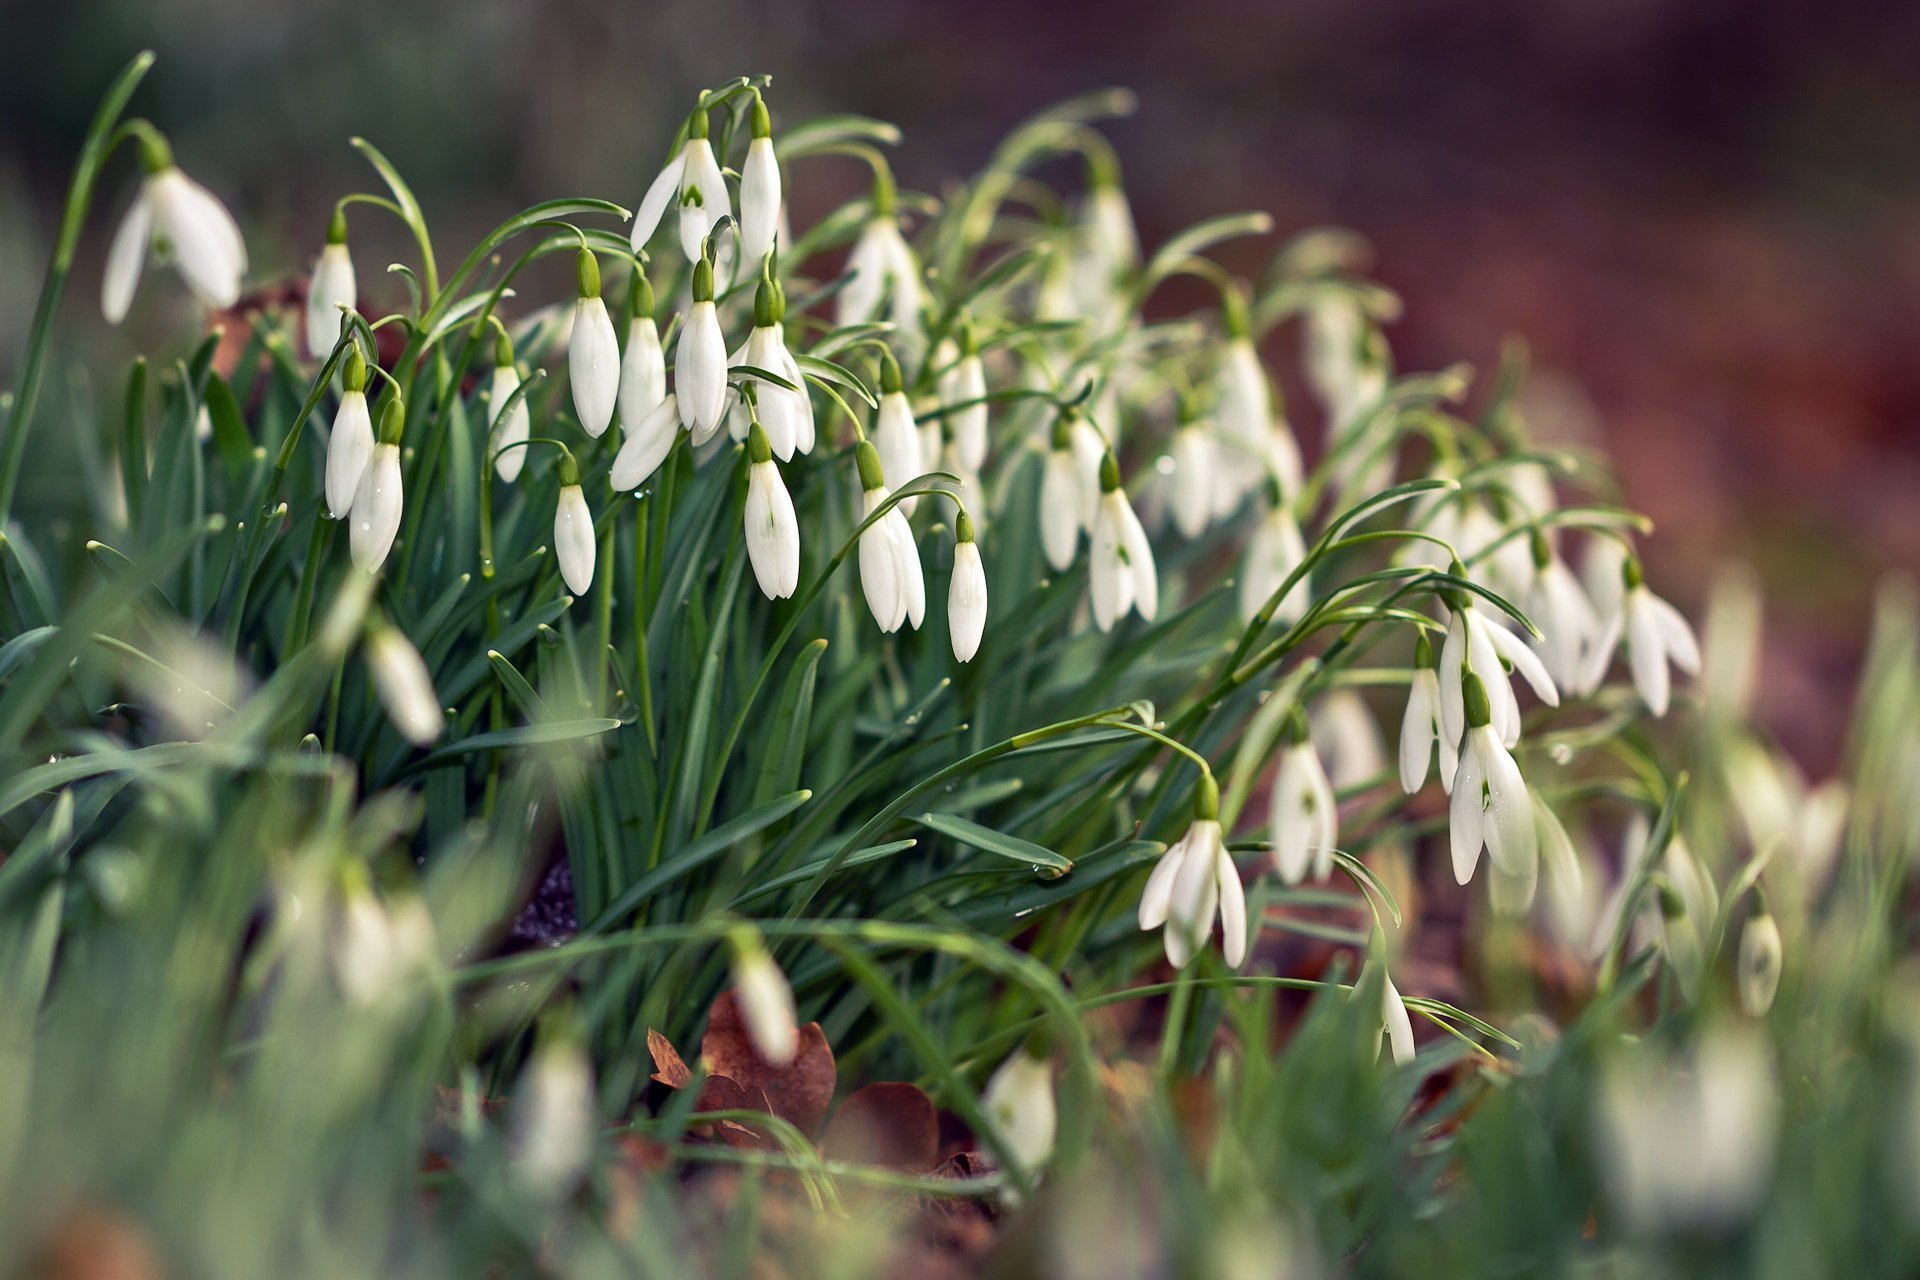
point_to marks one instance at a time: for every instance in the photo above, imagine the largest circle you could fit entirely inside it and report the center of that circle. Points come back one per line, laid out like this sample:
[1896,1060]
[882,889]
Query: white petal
[1059,510]
[1109,583]
[969,424]
[880,567]
[772,532]
[967,601]
[375,516]
[1465,816]
[514,428]
[1511,834]
[574,542]
[349,449]
[1453,657]
[125,258]
[206,243]
[664,191]
[898,442]
[1156,899]
[647,445]
[1600,656]
[1646,652]
[1193,464]
[1417,730]
[643,373]
[593,363]
[1140,566]
[913,580]
[1399,1025]
[1233,908]
[1526,662]
[700,373]
[331,287]
[405,688]
[1675,633]
[759,200]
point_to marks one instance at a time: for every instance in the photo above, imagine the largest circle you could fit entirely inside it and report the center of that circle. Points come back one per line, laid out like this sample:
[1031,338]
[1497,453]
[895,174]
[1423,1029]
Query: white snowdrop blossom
[1602,571]
[890,574]
[643,365]
[350,444]
[1120,570]
[1686,1142]
[406,689]
[1490,807]
[1347,737]
[786,413]
[1254,438]
[176,219]
[1274,551]
[574,542]
[552,1130]
[330,288]
[1019,1101]
[1395,1022]
[1193,479]
[1568,624]
[700,361]
[765,999]
[593,352]
[1475,643]
[512,423]
[647,445]
[895,435]
[374,518]
[1803,824]
[966,384]
[1420,729]
[1655,634]
[1060,521]
[772,530]
[966,593]
[1106,248]
[1195,880]
[886,282]
[690,181]
[1303,810]
[759,189]
[378,948]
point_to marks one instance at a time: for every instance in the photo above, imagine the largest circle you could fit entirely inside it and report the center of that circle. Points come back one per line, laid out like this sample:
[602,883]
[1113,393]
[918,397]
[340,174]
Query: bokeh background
[1704,215]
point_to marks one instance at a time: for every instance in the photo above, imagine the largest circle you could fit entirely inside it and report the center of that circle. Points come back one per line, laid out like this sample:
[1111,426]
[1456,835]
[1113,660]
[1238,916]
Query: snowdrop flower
[690,181]
[759,188]
[1019,1101]
[1193,479]
[1395,1022]
[1195,879]
[647,445]
[1490,807]
[1682,933]
[1420,729]
[886,283]
[1601,572]
[551,1134]
[593,352]
[966,593]
[1473,642]
[700,361]
[1655,633]
[178,219]
[890,574]
[1513,894]
[773,533]
[966,383]
[894,433]
[1759,963]
[511,427]
[1687,1141]
[764,998]
[643,366]
[574,541]
[1781,812]
[1120,572]
[330,288]
[1273,552]
[1060,521]
[1304,812]
[374,517]
[1252,433]
[377,947]
[1106,246]
[1567,622]
[405,688]
[786,414]
[350,445]
[1330,340]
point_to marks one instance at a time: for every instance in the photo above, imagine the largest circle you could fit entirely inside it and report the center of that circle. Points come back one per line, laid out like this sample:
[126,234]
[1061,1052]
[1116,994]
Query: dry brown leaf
[799,1092]
[668,1067]
[889,1124]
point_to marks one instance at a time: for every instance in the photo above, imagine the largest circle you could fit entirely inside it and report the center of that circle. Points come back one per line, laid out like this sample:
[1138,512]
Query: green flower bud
[1542,554]
[697,122]
[963,528]
[1233,313]
[393,420]
[1473,692]
[1297,730]
[1063,428]
[1423,652]
[759,448]
[1672,905]
[355,377]
[883,193]
[867,459]
[1109,473]
[503,350]
[703,280]
[569,471]
[587,268]
[1206,799]
[337,227]
[762,121]
[156,156]
[889,373]
[1631,573]
[769,309]
[640,295]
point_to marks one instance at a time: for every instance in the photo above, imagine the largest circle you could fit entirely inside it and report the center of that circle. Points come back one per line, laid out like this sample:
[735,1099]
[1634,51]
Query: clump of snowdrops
[915,625]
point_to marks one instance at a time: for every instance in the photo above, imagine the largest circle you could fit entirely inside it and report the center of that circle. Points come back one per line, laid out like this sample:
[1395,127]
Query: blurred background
[1704,215]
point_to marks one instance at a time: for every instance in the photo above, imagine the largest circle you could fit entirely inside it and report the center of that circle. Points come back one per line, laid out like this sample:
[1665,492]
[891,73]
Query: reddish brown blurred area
[1704,213]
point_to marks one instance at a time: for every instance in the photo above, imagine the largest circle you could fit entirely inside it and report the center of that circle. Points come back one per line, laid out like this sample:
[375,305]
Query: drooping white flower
[786,414]
[773,532]
[374,518]
[510,427]
[1347,737]
[1330,337]
[350,446]
[1759,960]
[378,948]
[1474,642]
[1602,571]
[1686,1141]
[964,384]
[1802,825]
[1490,807]
[759,189]
[593,352]
[574,541]
[1120,570]
[1655,633]
[406,689]
[700,362]
[643,365]
[895,434]
[330,288]
[886,282]
[765,998]
[890,573]
[1194,880]
[181,220]
[1420,729]
[966,593]
[1395,1021]
[1304,813]
[1567,622]
[1106,248]
[647,445]
[1193,478]
[1254,437]
[1059,509]
[1273,552]
[691,180]
[554,1118]
[1019,1101]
